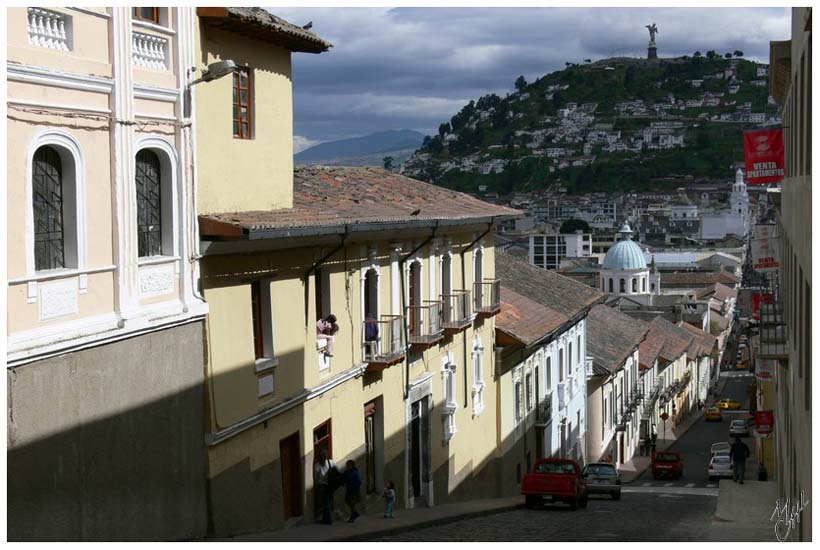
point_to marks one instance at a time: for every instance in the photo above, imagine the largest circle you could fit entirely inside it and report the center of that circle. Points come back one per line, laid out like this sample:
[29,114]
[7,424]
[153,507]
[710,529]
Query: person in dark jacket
[739,454]
[353,488]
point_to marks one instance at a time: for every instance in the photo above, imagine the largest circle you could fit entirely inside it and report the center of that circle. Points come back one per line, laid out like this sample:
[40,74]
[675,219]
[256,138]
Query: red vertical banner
[760,298]
[764,156]
[764,422]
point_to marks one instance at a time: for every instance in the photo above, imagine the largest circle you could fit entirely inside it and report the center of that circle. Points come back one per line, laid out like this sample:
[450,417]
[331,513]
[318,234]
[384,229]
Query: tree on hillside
[711,54]
[572,225]
[520,83]
[728,55]
[738,53]
[697,54]
[388,163]
[444,129]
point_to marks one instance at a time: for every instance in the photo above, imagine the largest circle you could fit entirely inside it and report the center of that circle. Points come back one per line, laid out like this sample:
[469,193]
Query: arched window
[634,285]
[610,285]
[652,287]
[149,204]
[622,286]
[643,284]
[47,187]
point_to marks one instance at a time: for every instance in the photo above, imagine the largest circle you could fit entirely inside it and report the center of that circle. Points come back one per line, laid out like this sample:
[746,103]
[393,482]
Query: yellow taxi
[741,366]
[728,404]
[713,415]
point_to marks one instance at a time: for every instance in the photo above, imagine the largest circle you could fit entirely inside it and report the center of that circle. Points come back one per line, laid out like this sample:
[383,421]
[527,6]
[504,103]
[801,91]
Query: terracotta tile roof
[698,278]
[650,348]
[720,322]
[718,291]
[330,197]
[261,24]
[705,342]
[675,339]
[611,337]
[548,288]
[526,320]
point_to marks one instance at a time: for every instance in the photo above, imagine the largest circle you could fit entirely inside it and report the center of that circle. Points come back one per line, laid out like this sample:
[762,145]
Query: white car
[720,466]
[722,447]
[738,428]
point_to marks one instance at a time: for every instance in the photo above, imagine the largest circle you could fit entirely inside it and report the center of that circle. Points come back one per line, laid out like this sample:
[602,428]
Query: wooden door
[290,459]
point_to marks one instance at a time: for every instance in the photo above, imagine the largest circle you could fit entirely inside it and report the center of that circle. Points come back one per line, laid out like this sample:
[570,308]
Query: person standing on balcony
[325,330]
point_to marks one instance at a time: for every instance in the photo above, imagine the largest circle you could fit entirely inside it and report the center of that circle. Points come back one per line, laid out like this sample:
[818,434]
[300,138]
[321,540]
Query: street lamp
[215,70]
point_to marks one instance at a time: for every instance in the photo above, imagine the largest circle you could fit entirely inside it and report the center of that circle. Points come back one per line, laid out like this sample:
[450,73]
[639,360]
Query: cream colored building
[105,331]
[407,269]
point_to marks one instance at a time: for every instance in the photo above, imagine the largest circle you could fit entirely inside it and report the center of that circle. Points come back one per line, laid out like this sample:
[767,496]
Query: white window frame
[449,390]
[269,360]
[74,204]
[478,377]
[169,182]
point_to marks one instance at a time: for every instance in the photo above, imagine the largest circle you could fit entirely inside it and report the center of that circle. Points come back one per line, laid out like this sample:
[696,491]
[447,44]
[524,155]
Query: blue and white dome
[625,254]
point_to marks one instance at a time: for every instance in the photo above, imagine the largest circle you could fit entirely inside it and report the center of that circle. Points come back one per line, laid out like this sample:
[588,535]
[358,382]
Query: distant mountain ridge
[367,150]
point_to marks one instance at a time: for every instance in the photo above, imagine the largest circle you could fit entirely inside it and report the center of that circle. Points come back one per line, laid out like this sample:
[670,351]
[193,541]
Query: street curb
[425,524]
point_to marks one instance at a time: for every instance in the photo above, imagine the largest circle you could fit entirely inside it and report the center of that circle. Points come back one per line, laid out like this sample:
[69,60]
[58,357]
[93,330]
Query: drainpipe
[312,269]
[404,309]
[463,286]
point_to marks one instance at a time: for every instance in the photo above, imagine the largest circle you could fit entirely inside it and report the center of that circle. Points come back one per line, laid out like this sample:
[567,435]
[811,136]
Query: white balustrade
[48,29]
[149,51]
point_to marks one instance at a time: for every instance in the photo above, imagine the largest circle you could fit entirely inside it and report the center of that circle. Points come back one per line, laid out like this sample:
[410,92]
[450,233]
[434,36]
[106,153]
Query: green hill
[586,127]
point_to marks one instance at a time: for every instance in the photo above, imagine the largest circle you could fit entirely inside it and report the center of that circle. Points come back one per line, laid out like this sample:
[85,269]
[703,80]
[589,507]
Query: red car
[555,480]
[667,464]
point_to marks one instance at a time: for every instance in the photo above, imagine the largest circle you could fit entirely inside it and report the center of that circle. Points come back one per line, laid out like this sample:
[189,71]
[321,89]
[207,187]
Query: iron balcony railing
[649,403]
[458,309]
[425,322]
[773,331]
[487,296]
[543,412]
[383,339]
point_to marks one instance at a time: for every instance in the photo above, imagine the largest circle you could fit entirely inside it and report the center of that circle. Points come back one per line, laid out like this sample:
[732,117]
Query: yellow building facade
[406,386]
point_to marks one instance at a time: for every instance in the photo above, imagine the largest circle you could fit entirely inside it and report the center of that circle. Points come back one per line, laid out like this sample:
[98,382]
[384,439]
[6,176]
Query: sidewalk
[372,526]
[743,511]
[632,469]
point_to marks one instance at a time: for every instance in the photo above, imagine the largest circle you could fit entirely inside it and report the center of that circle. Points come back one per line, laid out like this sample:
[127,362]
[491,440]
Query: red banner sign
[765,370]
[764,422]
[764,156]
[760,298]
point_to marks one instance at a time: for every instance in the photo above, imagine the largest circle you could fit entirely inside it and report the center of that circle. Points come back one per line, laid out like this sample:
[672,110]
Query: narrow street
[649,510]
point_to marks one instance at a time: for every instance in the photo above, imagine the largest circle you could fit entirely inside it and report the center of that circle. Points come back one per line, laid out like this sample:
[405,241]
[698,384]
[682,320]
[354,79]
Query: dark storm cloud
[415,67]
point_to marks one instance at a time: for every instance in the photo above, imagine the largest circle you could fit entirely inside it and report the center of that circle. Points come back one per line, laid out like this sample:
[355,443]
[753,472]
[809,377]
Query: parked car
[720,447]
[743,365]
[720,466]
[713,415]
[739,428]
[728,404]
[555,480]
[603,478]
[667,464]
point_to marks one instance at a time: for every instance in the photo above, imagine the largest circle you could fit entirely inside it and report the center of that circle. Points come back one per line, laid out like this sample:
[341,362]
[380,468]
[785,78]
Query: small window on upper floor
[152,15]
[243,103]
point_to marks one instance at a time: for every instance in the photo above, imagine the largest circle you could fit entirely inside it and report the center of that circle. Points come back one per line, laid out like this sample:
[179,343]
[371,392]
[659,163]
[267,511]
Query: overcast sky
[393,68]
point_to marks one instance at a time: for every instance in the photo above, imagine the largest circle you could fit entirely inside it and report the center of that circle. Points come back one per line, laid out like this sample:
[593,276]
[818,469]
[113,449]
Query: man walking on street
[739,452]
[353,489]
[321,474]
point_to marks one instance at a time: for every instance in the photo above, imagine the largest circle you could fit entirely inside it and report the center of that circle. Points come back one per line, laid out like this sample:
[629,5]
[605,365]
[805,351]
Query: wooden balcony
[383,342]
[487,297]
[458,311]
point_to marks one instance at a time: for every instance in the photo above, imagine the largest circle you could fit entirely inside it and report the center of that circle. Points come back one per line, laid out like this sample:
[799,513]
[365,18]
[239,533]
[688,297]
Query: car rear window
[666,457]
[555,468]
[602,469]
[720,458]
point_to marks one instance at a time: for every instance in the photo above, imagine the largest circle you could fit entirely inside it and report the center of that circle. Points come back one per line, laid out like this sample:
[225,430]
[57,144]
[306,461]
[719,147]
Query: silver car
[603,478]
[738,428]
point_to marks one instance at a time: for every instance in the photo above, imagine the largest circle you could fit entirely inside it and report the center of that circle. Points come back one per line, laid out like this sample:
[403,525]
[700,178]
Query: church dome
[625,254]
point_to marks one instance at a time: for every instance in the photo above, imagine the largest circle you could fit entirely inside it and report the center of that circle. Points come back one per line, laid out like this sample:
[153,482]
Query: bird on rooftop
[415,212]
[308,26]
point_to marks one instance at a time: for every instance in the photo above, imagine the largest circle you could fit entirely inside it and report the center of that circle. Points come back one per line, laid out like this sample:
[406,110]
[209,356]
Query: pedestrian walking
[654,442]
[389,496]
[739,453]
[322,472]
[353,488]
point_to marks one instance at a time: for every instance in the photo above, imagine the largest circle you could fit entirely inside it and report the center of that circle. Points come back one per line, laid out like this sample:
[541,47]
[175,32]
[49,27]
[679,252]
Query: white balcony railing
[150,51]
[49,29]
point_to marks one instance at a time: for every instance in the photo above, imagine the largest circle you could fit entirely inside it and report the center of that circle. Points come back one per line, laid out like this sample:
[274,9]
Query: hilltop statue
[652,50]
[653,30]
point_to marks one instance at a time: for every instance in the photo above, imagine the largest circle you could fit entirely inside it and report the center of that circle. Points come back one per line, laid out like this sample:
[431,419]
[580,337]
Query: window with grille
[256,317]
[242,103]
[149,204]
[147,14]
[47,187]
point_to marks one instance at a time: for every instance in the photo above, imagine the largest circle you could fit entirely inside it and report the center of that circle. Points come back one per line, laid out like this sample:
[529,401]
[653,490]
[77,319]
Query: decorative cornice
[17,72]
